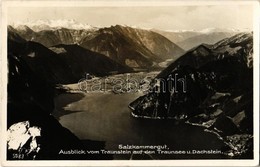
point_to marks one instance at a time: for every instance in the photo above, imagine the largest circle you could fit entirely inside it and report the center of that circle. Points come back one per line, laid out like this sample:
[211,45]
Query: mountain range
[61,64]
[41,24]
[130,46]
[213,89]
[191,38]
[135,48]
[50,37]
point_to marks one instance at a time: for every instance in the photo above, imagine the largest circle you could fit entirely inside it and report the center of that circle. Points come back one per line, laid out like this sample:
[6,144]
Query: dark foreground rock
[33,133]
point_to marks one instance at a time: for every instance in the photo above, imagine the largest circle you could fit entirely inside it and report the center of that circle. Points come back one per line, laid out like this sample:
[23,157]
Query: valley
[98,88]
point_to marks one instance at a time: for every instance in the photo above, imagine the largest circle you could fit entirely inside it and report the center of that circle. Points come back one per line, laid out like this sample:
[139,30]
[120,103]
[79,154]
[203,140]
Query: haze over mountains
[188,39]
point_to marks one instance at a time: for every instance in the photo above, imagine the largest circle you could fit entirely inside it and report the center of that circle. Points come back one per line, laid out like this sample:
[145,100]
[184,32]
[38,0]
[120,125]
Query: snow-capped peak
[38,25]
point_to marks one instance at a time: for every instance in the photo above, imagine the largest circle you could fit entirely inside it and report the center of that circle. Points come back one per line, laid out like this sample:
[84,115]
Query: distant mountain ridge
[136,48]
[51,37]
[129,46]
[188,39]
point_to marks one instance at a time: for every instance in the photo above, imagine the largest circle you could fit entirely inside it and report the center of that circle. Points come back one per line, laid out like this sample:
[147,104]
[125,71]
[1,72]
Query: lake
[106,117]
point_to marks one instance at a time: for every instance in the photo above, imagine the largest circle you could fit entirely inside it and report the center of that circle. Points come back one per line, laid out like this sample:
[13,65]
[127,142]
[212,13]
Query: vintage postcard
[130,83]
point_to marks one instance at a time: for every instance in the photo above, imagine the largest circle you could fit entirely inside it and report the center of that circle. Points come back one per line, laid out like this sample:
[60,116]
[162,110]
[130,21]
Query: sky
[159,17]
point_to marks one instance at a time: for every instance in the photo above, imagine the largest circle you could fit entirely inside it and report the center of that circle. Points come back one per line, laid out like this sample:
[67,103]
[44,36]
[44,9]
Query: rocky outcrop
[33,133]
[22,138]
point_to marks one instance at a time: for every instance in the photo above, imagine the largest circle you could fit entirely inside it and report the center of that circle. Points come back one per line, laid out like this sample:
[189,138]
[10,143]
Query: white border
[3,81]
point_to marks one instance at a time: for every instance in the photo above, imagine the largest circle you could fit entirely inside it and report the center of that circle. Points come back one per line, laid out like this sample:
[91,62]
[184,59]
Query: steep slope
[46,38]
[238,45]
[52,36]
[71,36]
[132,47]
[82,61]
[25,32]
[61,65]
[42,61]
[30,103]
[209,86]
[14,36]
[237,48]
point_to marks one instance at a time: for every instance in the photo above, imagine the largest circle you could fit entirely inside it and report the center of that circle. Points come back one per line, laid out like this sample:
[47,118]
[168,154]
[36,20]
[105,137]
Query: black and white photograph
[130,82]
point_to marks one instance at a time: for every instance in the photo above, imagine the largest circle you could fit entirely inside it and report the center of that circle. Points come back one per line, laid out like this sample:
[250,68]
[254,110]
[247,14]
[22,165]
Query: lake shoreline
[119,127]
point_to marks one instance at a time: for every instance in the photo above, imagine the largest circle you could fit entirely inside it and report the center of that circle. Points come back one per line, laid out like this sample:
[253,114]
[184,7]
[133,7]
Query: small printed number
[18,156]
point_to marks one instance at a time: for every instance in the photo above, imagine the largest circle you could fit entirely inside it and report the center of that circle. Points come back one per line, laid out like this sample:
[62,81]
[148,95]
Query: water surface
[106,117]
